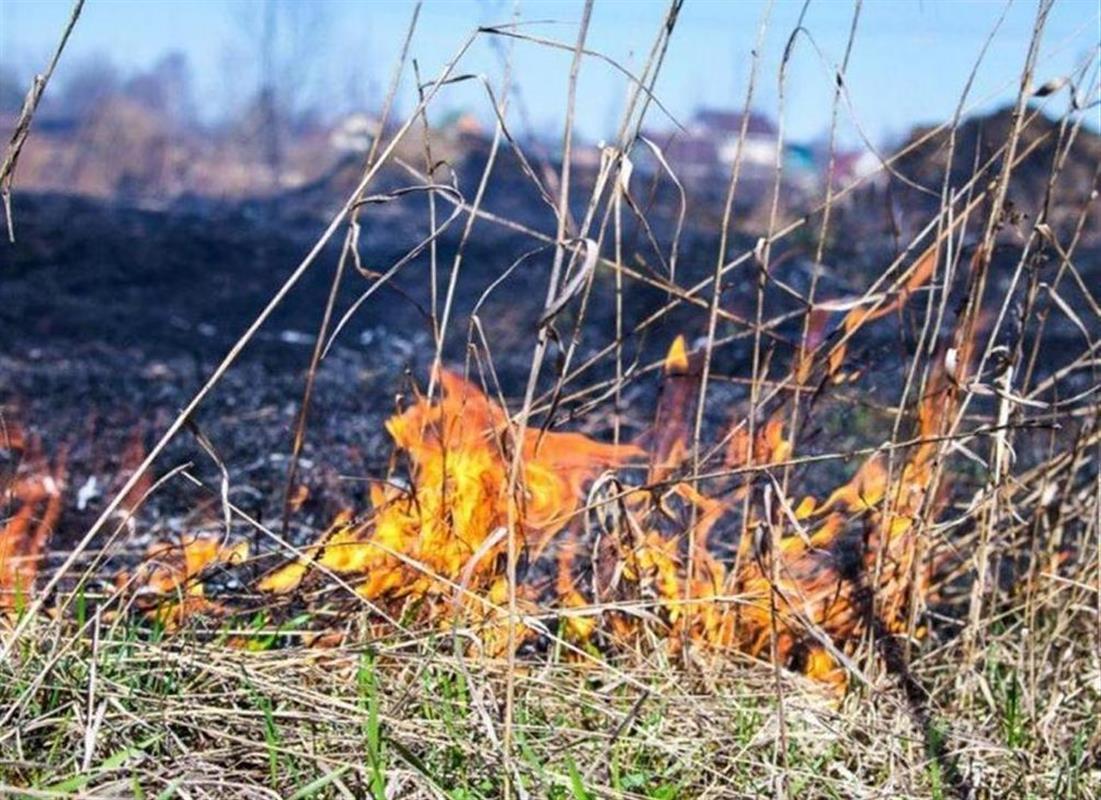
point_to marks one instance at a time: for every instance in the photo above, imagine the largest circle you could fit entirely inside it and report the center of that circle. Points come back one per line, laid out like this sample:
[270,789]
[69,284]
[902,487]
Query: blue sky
[909,64]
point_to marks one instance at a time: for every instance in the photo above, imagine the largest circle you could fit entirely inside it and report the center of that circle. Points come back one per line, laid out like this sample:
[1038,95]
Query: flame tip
[676,360]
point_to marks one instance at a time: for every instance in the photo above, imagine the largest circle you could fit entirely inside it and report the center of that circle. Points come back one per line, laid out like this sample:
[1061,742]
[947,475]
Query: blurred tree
[91,82]
[166,89]
[285,38]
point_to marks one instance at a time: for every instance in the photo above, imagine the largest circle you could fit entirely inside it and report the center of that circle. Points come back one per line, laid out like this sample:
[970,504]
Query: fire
[855,546]
[917,276]
[442,537]
[36,497]
[447,527]
[726,563]
[132,456]
[723,566]
[169,580]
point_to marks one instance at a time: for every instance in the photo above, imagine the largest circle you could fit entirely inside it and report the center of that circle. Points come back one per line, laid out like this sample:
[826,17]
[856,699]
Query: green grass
[396,719]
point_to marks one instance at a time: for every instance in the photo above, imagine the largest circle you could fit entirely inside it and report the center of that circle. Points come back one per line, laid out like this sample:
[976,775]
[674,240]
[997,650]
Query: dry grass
[994,692]
[123,712]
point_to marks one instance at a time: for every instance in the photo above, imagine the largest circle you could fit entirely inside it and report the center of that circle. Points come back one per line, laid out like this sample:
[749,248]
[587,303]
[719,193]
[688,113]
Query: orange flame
[917,275]
[169,581]
[444,533]
[799,585]
[37,499]
[670,553]
[448,526]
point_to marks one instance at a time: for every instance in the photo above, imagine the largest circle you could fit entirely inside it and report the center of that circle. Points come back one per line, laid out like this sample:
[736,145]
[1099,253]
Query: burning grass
[668,590]
[729,563]
[643,579]
[691,588]
[35,497]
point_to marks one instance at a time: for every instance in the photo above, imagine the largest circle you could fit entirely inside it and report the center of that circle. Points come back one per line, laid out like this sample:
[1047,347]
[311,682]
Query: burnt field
[415,459]
[114,317]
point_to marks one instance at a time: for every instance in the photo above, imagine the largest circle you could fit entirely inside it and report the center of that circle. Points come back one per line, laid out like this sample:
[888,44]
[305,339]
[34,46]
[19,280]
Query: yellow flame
[168,581]
[677,358]
[443,534]
[447,527]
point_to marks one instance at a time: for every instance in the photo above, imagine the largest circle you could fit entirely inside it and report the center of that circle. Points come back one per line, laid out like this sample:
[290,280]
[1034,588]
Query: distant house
[461,126]
[355,133]
[712,140]
[856,165]
[468,125]
[724,128]
[801,166]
